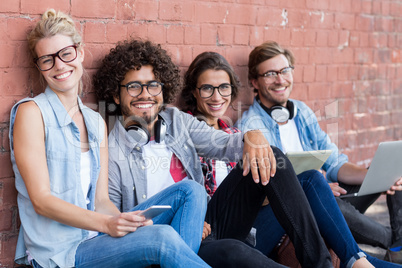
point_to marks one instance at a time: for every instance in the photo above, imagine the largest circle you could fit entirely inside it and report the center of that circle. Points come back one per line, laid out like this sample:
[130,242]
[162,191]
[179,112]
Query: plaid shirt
[208,165]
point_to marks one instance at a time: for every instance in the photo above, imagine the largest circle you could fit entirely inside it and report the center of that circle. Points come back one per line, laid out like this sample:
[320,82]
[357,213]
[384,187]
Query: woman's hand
[124,223]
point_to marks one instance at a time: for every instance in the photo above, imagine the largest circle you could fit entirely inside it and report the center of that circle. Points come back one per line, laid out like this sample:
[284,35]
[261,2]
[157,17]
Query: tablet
[307,160]
[154,211]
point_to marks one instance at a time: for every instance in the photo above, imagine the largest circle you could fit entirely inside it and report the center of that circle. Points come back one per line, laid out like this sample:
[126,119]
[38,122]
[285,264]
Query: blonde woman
[60,159]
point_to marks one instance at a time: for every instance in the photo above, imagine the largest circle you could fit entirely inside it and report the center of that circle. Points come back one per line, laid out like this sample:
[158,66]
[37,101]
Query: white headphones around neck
[141,135]
[280,114]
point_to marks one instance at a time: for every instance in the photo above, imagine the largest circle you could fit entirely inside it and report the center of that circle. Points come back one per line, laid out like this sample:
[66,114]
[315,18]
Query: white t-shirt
[290,137]
[221,171]
[86,181]
[162,166]
[85,174]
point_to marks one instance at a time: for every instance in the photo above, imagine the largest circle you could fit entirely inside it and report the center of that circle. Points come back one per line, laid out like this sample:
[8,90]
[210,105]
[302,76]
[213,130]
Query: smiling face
[144,106]
[215,106]
[276,91]
[63,77]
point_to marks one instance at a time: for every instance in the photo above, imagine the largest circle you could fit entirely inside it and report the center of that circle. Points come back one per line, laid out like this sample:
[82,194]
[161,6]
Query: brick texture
[348,56]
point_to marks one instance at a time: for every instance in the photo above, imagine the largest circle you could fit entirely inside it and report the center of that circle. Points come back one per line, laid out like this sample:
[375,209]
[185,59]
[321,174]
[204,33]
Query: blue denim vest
[312,137]
[49,242]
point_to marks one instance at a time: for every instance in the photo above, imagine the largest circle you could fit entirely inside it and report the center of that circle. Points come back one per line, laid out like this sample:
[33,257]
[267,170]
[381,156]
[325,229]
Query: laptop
[384,171]
[307,160]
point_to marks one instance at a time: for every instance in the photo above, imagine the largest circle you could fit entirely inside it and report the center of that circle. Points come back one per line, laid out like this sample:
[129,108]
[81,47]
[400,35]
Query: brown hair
[264,52]
[203,62]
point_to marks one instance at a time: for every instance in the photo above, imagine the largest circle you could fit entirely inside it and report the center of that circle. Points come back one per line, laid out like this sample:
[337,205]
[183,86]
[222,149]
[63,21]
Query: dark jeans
[232,253]
[237,202]
[366,230]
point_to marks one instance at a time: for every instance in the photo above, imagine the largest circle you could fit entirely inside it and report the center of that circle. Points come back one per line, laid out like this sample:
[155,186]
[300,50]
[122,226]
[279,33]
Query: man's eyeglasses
[67,54]
[134,89]
[207,91]
[273,75]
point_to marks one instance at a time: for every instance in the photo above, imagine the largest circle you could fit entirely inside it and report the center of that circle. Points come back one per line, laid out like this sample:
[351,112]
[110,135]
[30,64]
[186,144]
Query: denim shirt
[312,137]
[185,136]
[49,242]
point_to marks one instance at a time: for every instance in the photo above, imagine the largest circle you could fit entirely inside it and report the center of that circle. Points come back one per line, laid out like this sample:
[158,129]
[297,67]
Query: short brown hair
[264,52]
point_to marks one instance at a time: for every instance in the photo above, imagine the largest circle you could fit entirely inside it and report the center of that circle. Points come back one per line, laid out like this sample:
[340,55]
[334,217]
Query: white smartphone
[154,211]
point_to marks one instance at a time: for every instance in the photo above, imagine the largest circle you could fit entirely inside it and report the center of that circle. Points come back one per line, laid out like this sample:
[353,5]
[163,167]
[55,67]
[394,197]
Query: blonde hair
[53,23]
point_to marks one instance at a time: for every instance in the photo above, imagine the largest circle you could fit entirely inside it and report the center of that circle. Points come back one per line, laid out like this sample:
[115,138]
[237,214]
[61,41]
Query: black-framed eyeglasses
[207,90]
[135,88]
[273,75]
[46,62]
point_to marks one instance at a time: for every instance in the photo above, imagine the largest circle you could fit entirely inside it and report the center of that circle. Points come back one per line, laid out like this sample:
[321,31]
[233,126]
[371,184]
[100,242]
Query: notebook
[384,171]
[307,160]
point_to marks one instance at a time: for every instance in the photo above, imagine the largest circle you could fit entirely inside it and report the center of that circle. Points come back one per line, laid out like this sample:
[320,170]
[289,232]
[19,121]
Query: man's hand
[336,189]
[258,156]
[125,223]
[207,230]
[396,187]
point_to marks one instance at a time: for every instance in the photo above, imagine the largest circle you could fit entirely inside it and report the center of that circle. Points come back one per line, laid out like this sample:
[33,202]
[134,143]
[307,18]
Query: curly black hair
[203,62]
[132,55]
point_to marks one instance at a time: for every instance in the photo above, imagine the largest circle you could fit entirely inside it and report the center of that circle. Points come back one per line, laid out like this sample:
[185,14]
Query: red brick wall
[348,69]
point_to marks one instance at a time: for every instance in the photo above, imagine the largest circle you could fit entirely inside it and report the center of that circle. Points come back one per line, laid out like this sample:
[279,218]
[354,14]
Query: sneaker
[394,255]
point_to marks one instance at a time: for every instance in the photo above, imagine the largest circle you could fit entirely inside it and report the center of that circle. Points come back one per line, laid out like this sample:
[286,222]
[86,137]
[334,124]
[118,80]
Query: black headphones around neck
[279,113]
[141,135]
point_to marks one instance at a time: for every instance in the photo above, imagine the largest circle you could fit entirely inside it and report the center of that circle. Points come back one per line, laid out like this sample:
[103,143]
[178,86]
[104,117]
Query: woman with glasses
[211,86]
[59,154]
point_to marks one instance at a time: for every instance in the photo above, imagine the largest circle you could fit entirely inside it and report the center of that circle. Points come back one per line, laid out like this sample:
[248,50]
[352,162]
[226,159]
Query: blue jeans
[172,241]
[329,218]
